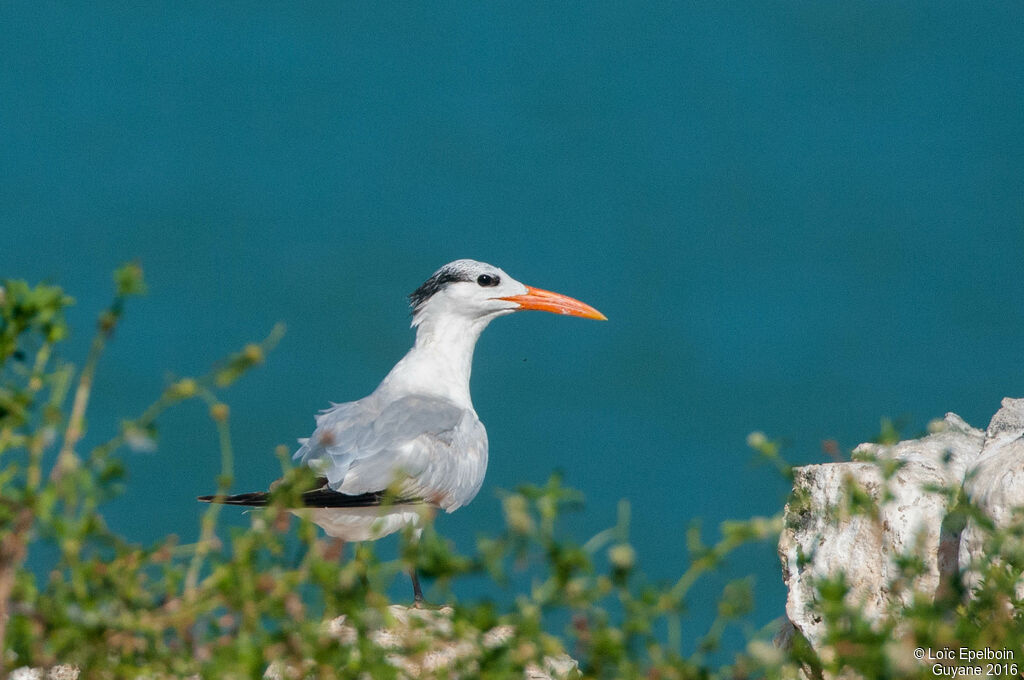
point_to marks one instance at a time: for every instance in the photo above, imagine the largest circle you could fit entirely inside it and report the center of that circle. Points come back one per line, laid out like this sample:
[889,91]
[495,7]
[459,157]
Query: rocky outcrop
[56,673]
[996,481]
[423,643]
[858,517]
[419,643]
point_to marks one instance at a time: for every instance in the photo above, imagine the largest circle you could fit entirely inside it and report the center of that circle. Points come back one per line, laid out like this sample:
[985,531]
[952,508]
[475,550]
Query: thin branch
[67,459]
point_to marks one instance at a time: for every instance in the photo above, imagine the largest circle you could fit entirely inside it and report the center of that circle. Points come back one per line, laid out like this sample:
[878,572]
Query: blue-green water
[798,217]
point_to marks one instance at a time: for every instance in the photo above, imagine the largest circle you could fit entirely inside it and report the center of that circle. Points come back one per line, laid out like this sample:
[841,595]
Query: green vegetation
[229,605]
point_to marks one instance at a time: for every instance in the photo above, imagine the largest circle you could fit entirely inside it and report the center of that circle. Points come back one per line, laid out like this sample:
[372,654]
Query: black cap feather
[449,273]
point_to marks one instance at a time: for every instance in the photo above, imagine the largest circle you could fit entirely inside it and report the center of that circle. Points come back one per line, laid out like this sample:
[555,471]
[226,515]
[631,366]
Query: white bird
[415,443]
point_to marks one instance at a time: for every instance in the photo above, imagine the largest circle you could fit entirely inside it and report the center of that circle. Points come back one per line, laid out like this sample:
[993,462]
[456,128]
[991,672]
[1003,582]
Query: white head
[474,290]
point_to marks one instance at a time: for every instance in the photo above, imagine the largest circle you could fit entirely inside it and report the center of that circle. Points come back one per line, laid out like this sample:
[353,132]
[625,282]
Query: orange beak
[546,301]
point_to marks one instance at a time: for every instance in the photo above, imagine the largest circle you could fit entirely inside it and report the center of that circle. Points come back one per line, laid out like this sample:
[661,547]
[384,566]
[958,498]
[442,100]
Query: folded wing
[426,447]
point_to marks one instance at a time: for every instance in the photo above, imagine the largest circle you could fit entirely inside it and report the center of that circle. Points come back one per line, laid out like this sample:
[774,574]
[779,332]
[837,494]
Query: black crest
[441,278]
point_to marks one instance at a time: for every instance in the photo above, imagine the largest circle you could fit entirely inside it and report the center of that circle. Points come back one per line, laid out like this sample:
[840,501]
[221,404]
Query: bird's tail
[318,498]
[256,498]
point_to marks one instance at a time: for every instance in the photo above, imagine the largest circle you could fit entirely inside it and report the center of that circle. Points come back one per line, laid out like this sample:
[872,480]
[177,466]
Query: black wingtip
[257,498]
[318,498]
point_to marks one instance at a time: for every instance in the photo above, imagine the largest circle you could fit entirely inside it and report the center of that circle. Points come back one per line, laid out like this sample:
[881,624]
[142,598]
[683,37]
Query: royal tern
[415,444]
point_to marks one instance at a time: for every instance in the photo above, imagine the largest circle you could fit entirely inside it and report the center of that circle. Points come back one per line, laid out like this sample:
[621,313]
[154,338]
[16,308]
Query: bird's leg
[417,593]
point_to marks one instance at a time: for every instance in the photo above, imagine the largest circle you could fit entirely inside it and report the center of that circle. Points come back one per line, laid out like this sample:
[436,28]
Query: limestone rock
[821,539]
[996,483]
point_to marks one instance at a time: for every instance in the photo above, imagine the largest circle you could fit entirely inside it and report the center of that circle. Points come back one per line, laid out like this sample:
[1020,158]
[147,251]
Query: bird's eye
[487,280]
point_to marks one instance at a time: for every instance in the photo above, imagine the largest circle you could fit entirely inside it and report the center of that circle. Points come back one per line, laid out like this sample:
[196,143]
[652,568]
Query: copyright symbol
[918,653]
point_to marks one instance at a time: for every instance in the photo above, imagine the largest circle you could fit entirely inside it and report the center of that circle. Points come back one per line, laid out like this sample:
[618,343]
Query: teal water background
[798,217]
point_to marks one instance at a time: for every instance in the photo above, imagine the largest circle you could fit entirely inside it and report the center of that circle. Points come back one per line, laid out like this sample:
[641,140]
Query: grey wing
[428,446]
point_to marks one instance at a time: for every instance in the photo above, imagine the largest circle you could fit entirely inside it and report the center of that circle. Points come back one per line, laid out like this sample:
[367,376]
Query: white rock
[64,672]
[498,636]
[422,643]
[61,672]
[822,539]
[26,673]
[996,483]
